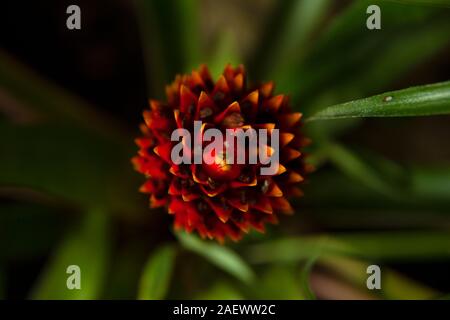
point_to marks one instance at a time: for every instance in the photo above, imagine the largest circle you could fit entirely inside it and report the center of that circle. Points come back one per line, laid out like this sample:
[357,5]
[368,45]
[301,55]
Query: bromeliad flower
[221,198]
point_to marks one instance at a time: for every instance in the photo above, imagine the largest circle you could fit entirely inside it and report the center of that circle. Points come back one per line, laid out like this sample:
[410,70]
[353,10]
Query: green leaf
[68,163]
[19,239]
[423,201]
[155,279]
[38,98]
[225,52]
[402,52]
[128,260]
[437,3]
[386,246]
[300,19]
[304,278]
[328,63]
[188,15]
[432,184]
[424,100]
[220,256]
[154,53]
[220,291]
[87,246]
[357,169]
[171,39]
[277,282]
[393,284]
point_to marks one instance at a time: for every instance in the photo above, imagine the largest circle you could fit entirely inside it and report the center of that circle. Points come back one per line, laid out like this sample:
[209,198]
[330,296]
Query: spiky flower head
[220,200]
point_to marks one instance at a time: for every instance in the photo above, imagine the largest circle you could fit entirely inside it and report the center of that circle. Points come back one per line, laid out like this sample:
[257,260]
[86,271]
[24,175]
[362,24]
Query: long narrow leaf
[220,291]
[393,284]
[31,92]
[357,169]
[155,279]
[329,64]
[304,278]
[433,99]
[386,246]
[86,247]
[68,163]
[437,3]
[221,256]
[299,22]
[402,52]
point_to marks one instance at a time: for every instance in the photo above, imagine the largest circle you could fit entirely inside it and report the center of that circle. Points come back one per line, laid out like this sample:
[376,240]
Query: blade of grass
[279,282]
[225,52]
[220,256]
[304,278]
[300,20]
[426,193]
[51,102]
[385,246]
[437,3]
[402,52]
[357,169]
[271,31]
[329,63]
[433,99]
[187,13]
[393,285]
[156,61]
[88,247]
[220,291]
[68,163]
[155,279]
[19,238]
[129,260]
[171,39]
[432,184]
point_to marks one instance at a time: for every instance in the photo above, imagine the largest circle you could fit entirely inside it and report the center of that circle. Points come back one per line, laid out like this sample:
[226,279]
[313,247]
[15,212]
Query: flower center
[218,168]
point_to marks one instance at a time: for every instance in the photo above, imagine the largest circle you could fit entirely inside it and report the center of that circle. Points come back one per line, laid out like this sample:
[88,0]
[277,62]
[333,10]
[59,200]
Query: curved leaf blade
[155,279]
[427,100]
[221,256]
[88,247]
[305,278]
[437,3]
[380,246]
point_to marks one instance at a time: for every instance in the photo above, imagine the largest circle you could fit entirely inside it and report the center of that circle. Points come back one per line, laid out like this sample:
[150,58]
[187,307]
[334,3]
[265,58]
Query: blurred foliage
[157,273]
[66,176]
[219,255]
[90,239]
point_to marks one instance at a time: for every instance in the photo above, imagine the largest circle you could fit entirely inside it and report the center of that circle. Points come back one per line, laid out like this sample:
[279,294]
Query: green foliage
[68,163]
[220,291]
[87,246]
[221,256]
[440,3]
[39,100]
[305,277]
[278,282]
[383,245]
[417,101]
[19,239]
[394,285]
[68,167]
[155,279]
[357,169]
